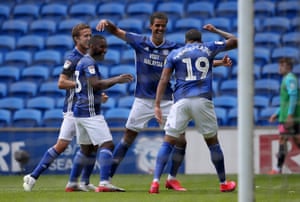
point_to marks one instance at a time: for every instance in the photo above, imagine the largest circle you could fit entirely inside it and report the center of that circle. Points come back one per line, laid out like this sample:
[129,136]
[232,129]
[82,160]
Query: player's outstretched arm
[226,61]
[65,83]
[102,84]
[111,28]
[231,40]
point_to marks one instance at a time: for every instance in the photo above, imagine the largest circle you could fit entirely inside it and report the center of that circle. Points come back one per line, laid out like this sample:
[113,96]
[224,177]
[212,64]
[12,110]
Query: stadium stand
[7,43]
[5,118]
[27,118]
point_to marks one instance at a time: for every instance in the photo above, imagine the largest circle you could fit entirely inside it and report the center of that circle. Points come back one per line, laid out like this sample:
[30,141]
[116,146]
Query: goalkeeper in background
[288,113]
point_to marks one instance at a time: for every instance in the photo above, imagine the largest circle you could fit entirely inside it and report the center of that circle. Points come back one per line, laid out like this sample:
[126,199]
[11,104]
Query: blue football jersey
[69,69]
[149,64]
[88,101]
[192,65]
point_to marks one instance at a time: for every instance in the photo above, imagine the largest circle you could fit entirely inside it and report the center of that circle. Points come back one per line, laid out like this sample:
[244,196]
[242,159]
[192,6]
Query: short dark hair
[287,60]
[158,15]
[96,38]
[193,35]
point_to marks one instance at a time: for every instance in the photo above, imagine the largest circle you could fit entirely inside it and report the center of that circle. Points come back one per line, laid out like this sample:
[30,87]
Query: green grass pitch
[201,188]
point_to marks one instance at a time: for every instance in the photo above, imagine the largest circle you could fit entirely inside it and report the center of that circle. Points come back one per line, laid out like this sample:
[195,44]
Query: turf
[279,188]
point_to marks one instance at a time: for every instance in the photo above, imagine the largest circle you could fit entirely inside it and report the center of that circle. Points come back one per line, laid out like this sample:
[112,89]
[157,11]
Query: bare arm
[65,83]
[226,61]
[231,40]
[111,28]
[163,82]
[102,84]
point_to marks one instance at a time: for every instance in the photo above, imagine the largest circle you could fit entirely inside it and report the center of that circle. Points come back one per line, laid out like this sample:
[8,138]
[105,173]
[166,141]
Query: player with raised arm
[91,127]
[81,35]
[150,53]
[192,66]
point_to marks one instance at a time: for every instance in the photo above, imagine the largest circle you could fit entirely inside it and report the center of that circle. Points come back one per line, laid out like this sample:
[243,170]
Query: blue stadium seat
[232,117]
[60,103]
[264,9]
[61,42]
[117,117]
[23,89]
[27,118]
[54,11]
[289,9]
[275,102]
[131,88]
[169,30]
[225,101]
[276,24]
[52,118]
[221,114]
[47,57]
[41,103]
[116,43]
[267,40]
[51,89]
[56,72]
[117,90]
[127,56]
[228,87]
[84,11]
[9,74]
[93,24]
[296,70]
[200,10]
[5,118]
[131,25]
[177,37]
[220,22]
[104,71]
[112,57]
[140,10]
[14,28]
[122,69]
[215,86]
[291,39]
[208,36]
[30,43]
[19,58]
[295,24]
[66,26]
[290,52]
[109,104]
[262,55]
[266,87]
[220,73]
[7,43]
[27,12]
[3,90]
[12,103]
[125,102]
[42,27]
[261,102]
[37,74]
[270,71]
[184,24]
[4,12]
[111,10]
[264,115]
[174,10]
[227,9]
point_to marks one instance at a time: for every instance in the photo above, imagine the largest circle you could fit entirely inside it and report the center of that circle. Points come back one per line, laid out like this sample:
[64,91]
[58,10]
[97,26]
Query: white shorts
[142,112]
[92,130]
[68,128]
[201,110]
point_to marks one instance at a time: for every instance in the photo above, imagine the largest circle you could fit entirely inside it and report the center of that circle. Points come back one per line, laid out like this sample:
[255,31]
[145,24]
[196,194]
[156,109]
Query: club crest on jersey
[67,64]
[91,69]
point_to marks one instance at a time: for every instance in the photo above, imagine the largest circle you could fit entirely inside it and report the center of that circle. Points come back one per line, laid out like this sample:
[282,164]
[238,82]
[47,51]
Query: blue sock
[217,158]
[78,164]
[118,155]
[177,158]
[49,156]
[162,159]
[105,161]
[88,168]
